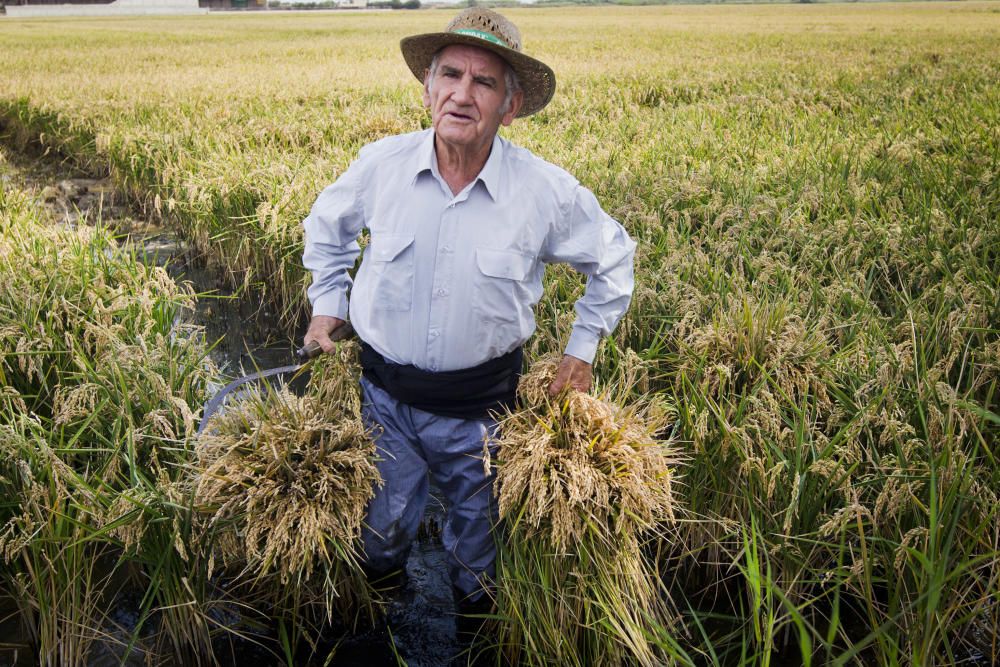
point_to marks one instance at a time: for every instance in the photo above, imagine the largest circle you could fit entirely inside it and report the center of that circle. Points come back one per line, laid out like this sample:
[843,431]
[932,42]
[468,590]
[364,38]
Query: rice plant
[282,482]
[814,191]
[583,486]
[98,383]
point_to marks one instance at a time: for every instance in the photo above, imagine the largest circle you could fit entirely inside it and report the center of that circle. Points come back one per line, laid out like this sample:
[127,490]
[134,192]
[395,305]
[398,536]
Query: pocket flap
[503,263]
[386,247]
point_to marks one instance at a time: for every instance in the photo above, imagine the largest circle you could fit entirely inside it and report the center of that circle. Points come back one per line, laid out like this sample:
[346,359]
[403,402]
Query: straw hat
[491,31]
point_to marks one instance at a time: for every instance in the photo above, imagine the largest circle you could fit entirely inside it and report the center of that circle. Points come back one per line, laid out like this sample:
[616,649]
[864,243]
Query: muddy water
[419,628]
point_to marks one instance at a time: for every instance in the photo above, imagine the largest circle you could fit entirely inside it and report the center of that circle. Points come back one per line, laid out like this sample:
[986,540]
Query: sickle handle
[310,351]
[313,349]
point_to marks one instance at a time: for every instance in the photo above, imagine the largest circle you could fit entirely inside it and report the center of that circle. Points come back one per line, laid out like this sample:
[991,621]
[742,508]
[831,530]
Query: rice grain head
[287,478]
[576,463]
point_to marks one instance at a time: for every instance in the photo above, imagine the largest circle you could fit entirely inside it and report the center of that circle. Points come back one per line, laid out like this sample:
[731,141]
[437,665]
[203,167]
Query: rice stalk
[815,197]
[54,569]
[99,374]
[283,482]
[583,485]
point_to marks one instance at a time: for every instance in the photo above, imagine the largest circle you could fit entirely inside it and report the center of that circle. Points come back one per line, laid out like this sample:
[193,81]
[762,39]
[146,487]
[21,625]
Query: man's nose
[463,90]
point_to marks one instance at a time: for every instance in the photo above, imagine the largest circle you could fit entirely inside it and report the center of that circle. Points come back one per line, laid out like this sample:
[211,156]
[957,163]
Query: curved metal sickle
[305,354]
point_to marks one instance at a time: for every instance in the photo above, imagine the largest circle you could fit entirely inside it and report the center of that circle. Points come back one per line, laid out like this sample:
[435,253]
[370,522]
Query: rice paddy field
[798,418]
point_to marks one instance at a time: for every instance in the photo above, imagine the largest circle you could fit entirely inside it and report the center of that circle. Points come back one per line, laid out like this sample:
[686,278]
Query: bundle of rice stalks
[284,482]
[583,484]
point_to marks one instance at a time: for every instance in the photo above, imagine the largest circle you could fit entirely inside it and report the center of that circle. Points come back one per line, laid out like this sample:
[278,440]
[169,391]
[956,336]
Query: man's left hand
[574,373]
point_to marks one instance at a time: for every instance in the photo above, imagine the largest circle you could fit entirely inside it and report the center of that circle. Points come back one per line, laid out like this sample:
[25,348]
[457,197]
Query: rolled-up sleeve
[595,244]
[331,247]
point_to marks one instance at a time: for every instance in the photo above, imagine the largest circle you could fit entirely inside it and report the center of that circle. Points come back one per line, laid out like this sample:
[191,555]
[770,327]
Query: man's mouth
[459,116]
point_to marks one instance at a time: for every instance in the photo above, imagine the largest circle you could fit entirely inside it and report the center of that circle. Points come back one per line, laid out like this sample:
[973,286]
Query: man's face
[466,95]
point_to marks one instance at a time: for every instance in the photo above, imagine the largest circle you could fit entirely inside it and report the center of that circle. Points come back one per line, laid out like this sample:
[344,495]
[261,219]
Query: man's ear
[516,100]
[427,88]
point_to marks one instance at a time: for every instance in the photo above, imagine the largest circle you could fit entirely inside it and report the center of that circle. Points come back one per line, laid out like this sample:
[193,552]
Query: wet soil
[418,627]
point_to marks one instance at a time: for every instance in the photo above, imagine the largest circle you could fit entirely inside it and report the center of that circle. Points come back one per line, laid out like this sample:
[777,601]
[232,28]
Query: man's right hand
[320,328]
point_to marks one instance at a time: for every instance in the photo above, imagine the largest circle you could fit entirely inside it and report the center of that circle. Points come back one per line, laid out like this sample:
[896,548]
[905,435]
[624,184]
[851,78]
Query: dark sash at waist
[470,393]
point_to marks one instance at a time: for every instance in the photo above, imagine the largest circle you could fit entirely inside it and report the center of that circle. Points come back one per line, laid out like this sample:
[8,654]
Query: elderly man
[462,224]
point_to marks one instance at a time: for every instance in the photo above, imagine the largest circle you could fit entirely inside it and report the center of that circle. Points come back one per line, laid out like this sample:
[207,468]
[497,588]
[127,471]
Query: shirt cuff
[582,345]
[332,304]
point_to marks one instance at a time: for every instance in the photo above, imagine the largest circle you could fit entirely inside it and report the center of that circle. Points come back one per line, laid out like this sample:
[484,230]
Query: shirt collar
[425,155]
[489,175]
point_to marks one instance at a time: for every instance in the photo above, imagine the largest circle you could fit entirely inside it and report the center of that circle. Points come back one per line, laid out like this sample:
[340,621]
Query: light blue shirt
[450,281]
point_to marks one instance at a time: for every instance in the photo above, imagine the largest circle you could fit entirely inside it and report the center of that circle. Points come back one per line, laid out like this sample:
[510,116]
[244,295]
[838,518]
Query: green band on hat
[482,35]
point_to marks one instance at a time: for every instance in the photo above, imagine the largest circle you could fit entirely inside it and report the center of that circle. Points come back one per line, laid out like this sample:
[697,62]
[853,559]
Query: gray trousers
[411,443]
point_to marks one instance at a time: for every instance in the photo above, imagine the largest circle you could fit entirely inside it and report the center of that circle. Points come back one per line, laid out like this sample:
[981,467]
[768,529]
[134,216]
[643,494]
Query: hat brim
[538,81]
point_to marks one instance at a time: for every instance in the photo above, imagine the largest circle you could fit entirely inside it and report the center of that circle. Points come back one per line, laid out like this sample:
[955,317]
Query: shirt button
[442,292]
[434,333]
[447,248]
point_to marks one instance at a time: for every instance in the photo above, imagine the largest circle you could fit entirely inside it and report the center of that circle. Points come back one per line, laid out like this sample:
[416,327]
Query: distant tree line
[557,3]
[395,4]
[334,4]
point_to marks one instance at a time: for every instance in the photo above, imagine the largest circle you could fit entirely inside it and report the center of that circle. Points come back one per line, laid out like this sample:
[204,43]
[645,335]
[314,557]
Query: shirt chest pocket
[391,258]
[498,283]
